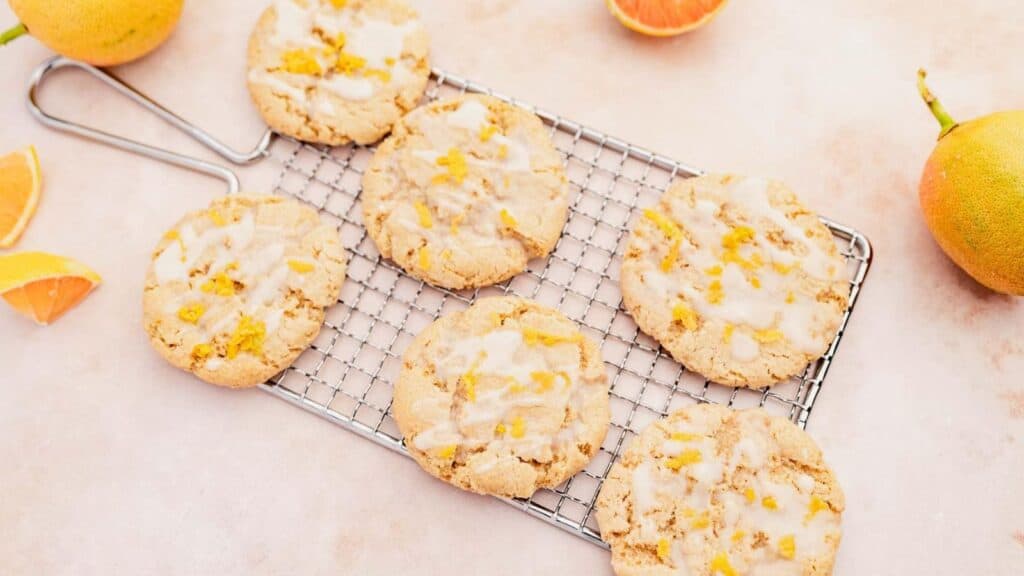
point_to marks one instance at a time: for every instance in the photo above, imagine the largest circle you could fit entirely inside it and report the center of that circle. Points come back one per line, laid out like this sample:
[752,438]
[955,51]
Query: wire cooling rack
[346,375]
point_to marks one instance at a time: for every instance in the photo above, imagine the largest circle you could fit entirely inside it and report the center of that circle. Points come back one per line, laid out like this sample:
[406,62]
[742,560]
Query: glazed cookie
[503,398]
[465,191]
[236,292]
[337,71]
[736,279]
[709,491]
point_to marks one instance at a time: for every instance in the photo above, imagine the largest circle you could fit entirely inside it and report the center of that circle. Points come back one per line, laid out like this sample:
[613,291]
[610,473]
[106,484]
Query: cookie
[502,398]
[337,71]
[736,279]
[236,292]
[465,191]
[709,491]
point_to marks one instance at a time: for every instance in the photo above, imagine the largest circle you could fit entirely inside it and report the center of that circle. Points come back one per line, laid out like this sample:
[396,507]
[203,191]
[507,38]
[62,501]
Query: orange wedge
[20,184]
[44,286]
[664,17]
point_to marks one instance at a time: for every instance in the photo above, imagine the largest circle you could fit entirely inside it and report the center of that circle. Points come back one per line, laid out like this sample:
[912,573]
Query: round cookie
[708,491]
[465,191]
[502,398]
[236,292]
[736,279]
[337,71]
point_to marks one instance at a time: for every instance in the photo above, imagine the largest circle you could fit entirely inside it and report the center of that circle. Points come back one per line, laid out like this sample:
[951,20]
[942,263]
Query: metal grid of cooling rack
[347,373]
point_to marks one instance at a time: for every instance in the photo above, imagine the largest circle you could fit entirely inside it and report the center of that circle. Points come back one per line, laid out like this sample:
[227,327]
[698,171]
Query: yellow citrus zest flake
[749,495]
[339,4]
[201,352]
[383,75]
[338,42]
[349,64]
[446,254]
[518,428]
[248,337]
[456,220]
[754,281]
[768,336]
[737,237]
[221,285]
[423,213]
[191,313]
[565,378]
[300,266]
[515,387]
[172,235]
[545,380]
[689,512]
[720,564]
[715,293]
[769,503]
[732,256]
[727,333]
[469,380]
[456,164]
[684,436]
[217,217]
[502,154]
[669,228]
[816,505]
[389,61]
[684,315]
[507,219]
[701,522]
[448,452]
[738,535]
[684,458]
[487,132]
[664,548]
[715,270]
[301,61]
[423,258]
[673,254]
[782,268]
[499,429]
[532,337]
[787,546]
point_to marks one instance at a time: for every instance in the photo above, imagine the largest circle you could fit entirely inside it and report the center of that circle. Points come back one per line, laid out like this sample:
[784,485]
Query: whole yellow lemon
[100,32]
[972,194]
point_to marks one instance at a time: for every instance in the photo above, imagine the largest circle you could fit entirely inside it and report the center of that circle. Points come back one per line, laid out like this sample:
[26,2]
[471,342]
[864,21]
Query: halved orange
[664,17]
[20,183]
[44,286]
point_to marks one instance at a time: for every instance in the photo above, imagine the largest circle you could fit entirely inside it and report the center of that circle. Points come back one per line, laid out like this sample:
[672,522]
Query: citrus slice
[44,286]
[664,17]
[20,184]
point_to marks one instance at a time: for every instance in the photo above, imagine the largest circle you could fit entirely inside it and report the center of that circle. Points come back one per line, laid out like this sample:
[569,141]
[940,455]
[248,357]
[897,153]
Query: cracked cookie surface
[465,191]
[337,71]
[708,491]
[237,291]
[735,278]
[502,398]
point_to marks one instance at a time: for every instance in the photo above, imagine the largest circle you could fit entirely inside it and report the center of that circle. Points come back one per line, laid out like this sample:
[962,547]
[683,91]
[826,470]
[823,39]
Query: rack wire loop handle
[57,62]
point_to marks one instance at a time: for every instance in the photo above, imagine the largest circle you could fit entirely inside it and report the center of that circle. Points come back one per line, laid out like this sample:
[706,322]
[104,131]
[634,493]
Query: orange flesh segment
[46,300]
[667,16]
[19,193]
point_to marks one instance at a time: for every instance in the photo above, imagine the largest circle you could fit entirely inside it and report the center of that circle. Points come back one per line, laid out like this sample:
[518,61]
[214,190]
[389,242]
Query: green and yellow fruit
[100,32]
[972,194]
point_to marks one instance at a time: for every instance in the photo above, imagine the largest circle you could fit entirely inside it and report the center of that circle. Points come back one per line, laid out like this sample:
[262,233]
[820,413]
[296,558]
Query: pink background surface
[114,462]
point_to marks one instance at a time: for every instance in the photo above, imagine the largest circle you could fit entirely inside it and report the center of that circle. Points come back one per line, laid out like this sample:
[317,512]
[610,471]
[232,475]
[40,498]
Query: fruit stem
[946,121]
[12,33]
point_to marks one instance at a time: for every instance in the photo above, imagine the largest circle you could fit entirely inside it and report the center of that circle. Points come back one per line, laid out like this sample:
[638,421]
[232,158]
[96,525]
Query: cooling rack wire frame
[346,375]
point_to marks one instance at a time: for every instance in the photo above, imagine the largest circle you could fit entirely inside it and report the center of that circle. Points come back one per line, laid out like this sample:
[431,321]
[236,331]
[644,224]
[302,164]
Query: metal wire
[347,374]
